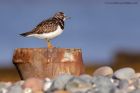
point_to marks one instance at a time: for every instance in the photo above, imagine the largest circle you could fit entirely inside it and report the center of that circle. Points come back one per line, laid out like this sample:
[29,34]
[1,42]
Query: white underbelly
[50,35]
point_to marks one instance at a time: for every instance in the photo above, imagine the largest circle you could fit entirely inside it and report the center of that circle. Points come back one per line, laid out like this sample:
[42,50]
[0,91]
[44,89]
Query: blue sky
[98,28]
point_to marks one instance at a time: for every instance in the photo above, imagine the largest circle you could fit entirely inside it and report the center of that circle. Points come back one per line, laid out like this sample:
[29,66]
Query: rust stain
[43,62]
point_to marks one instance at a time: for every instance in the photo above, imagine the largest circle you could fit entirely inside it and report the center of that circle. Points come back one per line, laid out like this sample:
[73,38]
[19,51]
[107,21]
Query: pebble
[104,71]
[137,75]
[115,90]
[102,81]
[103,84]
[137,83]
[123,84]
[78,85]
[3,90]
[86,78]
[92,90]
[124,80]
[34,83]
[5,85]
[60,82]
[125,73]
[131,88]
[15,89]
[47,84]
[19,83]
[136,91]
[2,85]
[27,90]
[115,81]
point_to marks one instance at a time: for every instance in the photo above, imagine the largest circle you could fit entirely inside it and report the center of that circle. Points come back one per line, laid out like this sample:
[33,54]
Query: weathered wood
[44,62]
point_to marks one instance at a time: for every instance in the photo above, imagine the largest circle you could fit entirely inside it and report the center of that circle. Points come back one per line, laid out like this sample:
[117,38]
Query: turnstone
[48,29]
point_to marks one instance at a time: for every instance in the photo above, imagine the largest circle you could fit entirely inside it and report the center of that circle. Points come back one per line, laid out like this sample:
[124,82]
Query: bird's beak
[66,17]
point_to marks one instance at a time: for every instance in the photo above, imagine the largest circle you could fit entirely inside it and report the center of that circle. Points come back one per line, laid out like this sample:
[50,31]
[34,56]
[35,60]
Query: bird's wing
[46,26]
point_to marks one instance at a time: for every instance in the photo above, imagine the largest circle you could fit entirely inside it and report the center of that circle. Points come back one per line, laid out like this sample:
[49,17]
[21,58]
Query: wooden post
[44,62]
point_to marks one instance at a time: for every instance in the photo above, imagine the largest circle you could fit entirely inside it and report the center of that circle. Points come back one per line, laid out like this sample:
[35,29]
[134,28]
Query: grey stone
[47,84]
[137,83]
[15,89]
[2,85]
[92,90]
[104,71]
[125,73]
[116,90]
[103,84]
[60,82]
[104,89]
[123,84]
[86,78]
[115,81]
[19,83]
[102,81]
[136,91]
[78,85]
[5,85]
[3,90]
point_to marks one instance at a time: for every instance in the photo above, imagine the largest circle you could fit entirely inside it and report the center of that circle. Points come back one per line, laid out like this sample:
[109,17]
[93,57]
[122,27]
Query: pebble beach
[103,80]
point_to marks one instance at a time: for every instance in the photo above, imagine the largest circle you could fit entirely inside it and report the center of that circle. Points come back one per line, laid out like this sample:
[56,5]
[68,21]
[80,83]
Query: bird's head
[61,15]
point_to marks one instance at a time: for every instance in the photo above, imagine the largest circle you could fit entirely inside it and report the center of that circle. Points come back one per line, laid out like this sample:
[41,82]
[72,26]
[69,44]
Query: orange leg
[49,44]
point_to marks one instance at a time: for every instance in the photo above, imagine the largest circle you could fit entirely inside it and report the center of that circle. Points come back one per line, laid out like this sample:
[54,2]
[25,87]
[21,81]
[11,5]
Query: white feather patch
[50,35]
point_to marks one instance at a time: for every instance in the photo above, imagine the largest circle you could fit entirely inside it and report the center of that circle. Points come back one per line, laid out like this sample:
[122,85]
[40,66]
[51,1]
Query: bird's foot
[50,46]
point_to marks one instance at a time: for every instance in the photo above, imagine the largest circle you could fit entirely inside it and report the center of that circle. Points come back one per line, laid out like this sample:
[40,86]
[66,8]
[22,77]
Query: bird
[48,29]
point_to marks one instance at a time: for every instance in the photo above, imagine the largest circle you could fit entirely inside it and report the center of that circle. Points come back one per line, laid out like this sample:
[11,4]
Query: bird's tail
[26,34]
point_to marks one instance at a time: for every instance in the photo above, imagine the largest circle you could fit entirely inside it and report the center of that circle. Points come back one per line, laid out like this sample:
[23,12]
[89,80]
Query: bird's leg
[49,44]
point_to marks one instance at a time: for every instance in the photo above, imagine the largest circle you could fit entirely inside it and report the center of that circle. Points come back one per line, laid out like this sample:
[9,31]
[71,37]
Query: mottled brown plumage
[48,29]
[48,25]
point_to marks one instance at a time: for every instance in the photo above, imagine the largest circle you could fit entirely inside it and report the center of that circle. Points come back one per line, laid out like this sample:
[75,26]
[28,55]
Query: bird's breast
[49,35]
